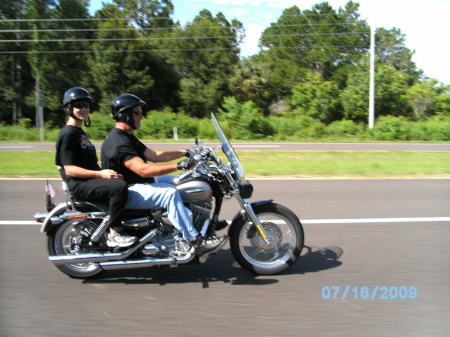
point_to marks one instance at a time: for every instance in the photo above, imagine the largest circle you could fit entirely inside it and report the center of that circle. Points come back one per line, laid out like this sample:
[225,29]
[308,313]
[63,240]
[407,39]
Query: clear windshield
[229,152]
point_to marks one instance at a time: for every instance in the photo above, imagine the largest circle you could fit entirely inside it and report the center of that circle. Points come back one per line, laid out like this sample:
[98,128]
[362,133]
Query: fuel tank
[194,191]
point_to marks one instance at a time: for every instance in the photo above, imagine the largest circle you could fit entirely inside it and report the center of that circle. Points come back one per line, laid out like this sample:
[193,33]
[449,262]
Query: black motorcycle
[265,238]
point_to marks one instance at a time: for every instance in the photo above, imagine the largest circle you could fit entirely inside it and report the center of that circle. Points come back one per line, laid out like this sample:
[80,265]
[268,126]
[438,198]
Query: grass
[316,164]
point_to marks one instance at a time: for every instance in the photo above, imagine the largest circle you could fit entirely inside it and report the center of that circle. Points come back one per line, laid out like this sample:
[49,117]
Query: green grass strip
[356,164]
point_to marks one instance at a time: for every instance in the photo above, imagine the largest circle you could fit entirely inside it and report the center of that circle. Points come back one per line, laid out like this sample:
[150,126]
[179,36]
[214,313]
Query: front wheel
[71,238]
[285,232]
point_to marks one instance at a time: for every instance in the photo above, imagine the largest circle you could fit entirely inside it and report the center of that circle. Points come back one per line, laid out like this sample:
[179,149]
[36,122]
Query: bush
[346,128]
[431,130]
[392,128]
[243,122]
[158,125]
[398,128]
[302,127]
[100,126]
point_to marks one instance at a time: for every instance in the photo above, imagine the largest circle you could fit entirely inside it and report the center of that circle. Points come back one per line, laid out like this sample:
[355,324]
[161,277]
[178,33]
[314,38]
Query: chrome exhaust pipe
[99,257]
[147,262]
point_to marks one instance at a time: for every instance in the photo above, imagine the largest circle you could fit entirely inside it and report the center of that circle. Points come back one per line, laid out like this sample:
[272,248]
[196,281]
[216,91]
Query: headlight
[246,190]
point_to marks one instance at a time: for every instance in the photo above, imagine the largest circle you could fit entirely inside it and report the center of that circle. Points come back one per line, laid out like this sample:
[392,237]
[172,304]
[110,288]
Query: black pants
[113,191]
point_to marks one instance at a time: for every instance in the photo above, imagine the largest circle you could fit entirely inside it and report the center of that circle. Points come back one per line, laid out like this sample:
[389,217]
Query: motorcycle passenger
[149,186]
[85,180]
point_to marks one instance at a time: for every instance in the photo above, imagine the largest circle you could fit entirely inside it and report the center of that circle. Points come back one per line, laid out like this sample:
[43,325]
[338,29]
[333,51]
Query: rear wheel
[71,238]
[286,236]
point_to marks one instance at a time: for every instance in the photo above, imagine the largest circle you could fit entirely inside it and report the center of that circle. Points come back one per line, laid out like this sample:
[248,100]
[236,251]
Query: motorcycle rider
[149,186]
[78,158]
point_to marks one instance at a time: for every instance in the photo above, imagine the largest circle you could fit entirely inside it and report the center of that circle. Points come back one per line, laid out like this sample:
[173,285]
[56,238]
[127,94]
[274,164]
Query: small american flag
[50,189]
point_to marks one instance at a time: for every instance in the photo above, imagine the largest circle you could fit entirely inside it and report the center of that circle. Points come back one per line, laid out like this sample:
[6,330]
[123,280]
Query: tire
[250,250]
[67,239]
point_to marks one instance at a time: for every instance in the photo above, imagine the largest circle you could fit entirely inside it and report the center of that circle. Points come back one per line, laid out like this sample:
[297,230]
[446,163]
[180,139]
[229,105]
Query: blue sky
[425,23]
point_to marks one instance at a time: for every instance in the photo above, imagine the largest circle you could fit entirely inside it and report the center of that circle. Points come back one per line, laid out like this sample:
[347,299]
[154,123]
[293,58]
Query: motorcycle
[265,237]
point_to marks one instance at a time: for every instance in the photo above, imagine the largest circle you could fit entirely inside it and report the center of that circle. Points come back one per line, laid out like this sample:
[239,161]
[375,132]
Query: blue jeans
[161,194]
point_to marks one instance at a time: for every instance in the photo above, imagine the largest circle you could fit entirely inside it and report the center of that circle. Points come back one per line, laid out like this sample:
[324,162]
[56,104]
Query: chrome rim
[71,240]
[283,239]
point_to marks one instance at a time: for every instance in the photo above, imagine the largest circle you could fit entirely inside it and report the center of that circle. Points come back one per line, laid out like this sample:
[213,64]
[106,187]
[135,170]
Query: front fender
[239,215]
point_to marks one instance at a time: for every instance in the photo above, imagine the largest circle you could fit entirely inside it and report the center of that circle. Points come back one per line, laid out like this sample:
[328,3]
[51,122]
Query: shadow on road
[315,259]
[222,268]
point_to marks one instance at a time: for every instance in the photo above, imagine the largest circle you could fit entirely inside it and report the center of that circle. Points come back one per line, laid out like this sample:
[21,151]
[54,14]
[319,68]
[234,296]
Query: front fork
[247,210]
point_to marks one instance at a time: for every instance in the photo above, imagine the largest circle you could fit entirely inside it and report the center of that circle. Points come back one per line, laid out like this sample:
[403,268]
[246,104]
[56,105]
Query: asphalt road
[396,251]
[262,146]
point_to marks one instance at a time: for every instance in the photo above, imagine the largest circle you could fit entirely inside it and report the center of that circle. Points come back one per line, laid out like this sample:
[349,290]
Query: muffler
[99,257]
[147,262]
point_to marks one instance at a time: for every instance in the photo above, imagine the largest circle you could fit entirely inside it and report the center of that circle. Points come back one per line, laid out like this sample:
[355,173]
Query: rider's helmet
[72,95]
[122,108]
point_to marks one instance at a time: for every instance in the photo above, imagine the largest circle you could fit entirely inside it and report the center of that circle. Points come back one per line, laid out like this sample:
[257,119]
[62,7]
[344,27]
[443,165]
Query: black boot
[221,224]
[209,245]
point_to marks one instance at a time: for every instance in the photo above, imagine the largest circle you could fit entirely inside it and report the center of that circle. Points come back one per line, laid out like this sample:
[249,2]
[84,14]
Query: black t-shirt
[74,148]
[120,146]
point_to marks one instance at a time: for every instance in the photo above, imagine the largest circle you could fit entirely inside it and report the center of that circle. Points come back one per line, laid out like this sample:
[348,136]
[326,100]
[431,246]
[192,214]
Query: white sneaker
[120,240]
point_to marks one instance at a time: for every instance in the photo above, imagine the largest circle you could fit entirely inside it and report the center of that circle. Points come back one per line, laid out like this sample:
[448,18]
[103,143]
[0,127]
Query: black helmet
[122,105]
[76,94]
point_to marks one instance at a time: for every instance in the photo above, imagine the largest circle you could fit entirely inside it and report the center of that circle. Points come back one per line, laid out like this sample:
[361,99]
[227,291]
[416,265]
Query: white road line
[15,147]
[309,222]
[374,220]
[256,146]
[15,223]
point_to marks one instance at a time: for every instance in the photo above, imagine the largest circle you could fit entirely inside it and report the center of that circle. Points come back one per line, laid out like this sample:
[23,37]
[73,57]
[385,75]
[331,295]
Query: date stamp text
[369,293]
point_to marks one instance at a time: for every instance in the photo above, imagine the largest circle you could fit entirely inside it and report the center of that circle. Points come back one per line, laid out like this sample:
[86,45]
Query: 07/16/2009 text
[369,293]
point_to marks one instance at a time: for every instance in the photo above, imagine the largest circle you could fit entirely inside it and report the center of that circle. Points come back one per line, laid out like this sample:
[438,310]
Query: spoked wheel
[72,238]
[284,231]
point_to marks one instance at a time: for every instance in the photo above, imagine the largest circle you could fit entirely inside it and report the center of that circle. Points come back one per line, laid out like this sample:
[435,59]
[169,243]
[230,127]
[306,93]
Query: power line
[135,19]
[165,50]
[123,39]
[80,19]
[175,37]
[110,51]
[156,28]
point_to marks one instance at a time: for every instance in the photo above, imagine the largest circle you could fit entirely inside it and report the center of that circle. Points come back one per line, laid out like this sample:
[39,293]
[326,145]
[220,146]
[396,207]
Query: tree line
[313,65]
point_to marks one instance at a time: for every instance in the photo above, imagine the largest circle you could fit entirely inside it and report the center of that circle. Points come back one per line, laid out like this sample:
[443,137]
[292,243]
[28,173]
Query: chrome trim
[99,257]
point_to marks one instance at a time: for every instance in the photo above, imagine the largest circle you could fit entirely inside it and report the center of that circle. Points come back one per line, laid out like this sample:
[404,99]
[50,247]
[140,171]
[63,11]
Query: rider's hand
[188,153]
[110,174]
[186,164]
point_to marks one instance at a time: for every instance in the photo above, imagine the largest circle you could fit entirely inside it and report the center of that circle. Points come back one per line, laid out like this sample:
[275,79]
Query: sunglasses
[81,105]
[138,113]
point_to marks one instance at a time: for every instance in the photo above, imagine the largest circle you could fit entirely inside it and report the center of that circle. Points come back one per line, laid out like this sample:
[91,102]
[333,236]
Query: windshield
[229,152]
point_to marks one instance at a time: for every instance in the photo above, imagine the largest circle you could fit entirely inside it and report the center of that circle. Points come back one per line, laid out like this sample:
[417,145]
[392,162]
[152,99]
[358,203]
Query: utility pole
[372,79]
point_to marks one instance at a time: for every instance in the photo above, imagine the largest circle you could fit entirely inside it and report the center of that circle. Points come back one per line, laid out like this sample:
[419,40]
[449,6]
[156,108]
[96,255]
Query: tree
[67,63]
[391,50]
[38,10]
[316,98]
[429,97]
[204,57]
[390,93]
[138,67]
[118,66]
[147,14]
[319,39]
[15,74]
[248,83]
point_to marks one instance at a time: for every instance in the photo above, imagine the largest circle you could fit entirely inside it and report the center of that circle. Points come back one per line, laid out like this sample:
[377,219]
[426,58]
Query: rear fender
[60,213]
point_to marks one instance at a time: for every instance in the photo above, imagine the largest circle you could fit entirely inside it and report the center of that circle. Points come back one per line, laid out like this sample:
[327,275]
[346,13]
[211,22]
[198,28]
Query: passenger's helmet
[122,108]
[76,94]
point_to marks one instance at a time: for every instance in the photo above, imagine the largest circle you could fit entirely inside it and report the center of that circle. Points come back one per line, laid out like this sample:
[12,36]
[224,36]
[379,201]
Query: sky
[425,24]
